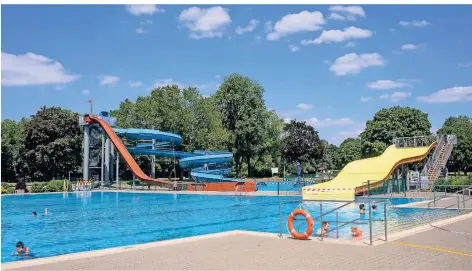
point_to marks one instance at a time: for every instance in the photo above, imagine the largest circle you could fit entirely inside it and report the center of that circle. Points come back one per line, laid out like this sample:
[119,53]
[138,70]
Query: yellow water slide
[354,176]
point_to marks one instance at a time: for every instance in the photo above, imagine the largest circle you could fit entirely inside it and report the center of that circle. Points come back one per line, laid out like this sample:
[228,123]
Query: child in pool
[356,232]
[362,209]
[21,250]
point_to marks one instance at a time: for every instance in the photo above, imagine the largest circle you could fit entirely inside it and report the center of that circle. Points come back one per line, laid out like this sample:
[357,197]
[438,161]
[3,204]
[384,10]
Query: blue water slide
[198,161]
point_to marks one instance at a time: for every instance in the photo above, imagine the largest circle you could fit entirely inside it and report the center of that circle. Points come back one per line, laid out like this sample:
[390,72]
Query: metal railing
[415,141]
[457,194]
[339,223]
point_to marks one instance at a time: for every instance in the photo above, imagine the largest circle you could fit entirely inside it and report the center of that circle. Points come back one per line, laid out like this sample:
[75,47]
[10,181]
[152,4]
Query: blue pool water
[282,186]
[88,221]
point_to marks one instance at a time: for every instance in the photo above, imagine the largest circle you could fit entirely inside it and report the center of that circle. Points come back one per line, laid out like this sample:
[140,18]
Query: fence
[323,215]
[392,186]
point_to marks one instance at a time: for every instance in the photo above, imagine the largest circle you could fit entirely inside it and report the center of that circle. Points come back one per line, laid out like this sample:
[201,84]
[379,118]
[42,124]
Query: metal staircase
[437,162]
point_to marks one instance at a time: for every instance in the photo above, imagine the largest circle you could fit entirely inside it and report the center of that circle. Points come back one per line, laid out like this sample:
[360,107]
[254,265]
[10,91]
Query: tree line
[48,144]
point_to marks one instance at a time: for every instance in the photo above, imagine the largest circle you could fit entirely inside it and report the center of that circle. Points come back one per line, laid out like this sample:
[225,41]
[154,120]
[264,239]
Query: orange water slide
[122,150]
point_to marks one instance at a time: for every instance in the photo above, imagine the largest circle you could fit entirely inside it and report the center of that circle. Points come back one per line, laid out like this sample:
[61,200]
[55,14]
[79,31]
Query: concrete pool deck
[448,246]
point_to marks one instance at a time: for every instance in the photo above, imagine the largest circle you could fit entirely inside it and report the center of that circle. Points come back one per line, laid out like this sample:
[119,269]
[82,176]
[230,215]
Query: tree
[53,143]
[301,143]
[269,153]
[240,101]
[349,150]
[330,156]
[389,123]
[12,147]
[182,111]
[461,126]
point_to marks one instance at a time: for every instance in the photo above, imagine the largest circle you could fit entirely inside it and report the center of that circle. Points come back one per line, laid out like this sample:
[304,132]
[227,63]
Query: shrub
[38,187]
[54,186]
[4,190]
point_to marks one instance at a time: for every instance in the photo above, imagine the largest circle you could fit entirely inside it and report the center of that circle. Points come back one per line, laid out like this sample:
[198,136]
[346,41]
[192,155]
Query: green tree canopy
[301,143]
[461,126]
[12,145]
[330,156]
[349,150]
[389,123]
[185,112]
[53,143]
[241,103]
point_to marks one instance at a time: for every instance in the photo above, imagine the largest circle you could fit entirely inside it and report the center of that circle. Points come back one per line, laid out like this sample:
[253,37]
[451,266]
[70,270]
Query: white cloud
[85,92]
[166,82]
[32,69]
[299,22]
[329,36]
[138,10]
[249,28]
[415,23]
[409,47]
[293,48]
[305,106]
[365,99]
[353,63]
[350,44]
[287,120]
[140,31]
[448,95]
[395,97]
[146,22]
[108,80]
[336,16]
[134,84]
[205,23]
[387,84]
[348,12]
[329,122]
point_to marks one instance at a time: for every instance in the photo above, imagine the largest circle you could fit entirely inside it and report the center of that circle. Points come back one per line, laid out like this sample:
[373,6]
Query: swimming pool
[96,220]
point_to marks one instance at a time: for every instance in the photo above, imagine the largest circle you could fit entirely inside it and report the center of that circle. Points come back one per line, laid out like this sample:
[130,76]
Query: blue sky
[334,66]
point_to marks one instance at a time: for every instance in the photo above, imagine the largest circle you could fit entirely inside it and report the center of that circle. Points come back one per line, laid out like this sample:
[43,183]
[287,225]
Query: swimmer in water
[361,209]
[374,207]
[324,229]
[21,250]
[356,232]
[34,214]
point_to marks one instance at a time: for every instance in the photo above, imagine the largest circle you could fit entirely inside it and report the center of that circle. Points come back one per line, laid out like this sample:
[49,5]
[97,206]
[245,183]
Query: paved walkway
[449,248]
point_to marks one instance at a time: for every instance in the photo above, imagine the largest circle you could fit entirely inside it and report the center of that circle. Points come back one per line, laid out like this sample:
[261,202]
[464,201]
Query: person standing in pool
[362,209]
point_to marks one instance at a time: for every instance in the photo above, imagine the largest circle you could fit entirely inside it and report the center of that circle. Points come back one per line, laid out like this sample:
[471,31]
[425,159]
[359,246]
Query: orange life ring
[309,220]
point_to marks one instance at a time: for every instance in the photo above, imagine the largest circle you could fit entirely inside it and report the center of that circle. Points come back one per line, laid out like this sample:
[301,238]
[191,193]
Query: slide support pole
[86,152]
[107,161]
[153,161]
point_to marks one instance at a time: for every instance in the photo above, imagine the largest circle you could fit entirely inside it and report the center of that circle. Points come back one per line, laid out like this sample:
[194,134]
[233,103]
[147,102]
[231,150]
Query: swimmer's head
[325,224]
[20,246]
[353,229]
[374,206]
[34,214]
[361,206]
